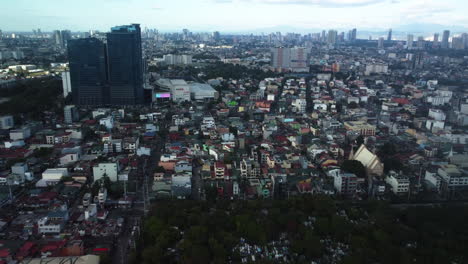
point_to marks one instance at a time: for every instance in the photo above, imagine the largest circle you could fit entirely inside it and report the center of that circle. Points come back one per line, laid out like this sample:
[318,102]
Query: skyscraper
[57,38]
[66,36]
[125,65]
[457,43]
[353,34]
[66,83]
[464,37]
[409,41]
[216,36]
[380,44]
[332,36]
[445,39]
[435,42]
[87,71]
[420,42]
[389,37]
[61,37]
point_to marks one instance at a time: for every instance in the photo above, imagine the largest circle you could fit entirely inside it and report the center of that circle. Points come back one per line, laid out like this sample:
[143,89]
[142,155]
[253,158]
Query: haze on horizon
[230,15]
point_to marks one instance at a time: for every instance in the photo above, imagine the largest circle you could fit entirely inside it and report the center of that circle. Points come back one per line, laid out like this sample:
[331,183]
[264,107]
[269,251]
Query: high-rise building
[294,59]
[66,36]
[353,34]
[332,37]
[464,37]
[216,36]
[61,37]
[389,37]
[420,43]
[457,43]
[435,42]
[70,114]
[409,41]
[380,44]
[173,59]
[125,65]
[87,62]
[341,37]
[445,39]
[66,83]
[57,38]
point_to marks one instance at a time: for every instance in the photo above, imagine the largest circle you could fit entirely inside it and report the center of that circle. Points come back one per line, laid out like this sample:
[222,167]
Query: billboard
[163,95]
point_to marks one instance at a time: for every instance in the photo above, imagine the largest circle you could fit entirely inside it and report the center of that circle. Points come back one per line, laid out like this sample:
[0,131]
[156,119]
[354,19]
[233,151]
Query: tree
[392,164]
[359,140]
[42,152]
[353,105]
[354,166]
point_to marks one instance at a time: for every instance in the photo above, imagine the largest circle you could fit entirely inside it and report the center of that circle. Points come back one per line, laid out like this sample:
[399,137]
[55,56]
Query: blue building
[87,71]
[124,55]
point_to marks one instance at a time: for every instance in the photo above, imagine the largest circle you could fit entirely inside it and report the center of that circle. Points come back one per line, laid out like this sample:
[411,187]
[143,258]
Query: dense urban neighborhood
[217,148]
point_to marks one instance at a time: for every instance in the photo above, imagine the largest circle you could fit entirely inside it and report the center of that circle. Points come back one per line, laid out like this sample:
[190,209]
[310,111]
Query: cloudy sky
[229,15]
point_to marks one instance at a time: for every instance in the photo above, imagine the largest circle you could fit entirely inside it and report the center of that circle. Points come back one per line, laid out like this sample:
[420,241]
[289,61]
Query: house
[131,144]
[53,176]
[47,226]
[66,159]
[19,134]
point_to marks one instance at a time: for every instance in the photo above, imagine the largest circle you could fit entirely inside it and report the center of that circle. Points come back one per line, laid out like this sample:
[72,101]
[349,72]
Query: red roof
[219,164]
[402,101]
[4,253]
[100,249]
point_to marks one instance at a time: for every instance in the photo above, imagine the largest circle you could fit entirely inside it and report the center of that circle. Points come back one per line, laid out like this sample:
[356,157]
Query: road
[141,206]
[197,183]
[126,240]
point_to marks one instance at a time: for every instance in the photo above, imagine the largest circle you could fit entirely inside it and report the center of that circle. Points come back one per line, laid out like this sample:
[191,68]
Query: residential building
[70,114]
[409,41]
[110,170]
[345,183]
[445,39]
[6,122]
[399,184]
[66,83]
[452,176]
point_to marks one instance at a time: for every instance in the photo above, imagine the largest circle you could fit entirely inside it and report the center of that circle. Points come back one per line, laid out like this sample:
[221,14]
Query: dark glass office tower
[125,65]
[87,59]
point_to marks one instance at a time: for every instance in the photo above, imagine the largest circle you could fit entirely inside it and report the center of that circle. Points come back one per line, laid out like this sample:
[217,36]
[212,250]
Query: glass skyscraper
[108,74]
[125,65]
[87,71]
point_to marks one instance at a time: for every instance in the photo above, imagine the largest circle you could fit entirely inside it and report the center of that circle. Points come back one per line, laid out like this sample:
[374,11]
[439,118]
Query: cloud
[324,3]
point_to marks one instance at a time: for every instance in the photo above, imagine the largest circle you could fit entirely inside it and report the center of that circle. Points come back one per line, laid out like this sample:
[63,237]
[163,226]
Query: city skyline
[243,15]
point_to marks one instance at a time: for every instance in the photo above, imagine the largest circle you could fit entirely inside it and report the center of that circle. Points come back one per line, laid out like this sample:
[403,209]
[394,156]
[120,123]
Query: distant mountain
[423,27]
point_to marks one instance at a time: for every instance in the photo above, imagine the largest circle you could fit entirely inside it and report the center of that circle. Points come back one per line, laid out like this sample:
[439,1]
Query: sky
[229,15]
